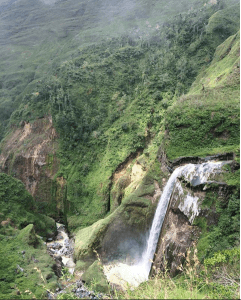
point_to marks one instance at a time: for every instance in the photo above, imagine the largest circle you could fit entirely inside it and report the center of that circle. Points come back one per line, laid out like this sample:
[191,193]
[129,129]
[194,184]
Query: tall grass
[215,279]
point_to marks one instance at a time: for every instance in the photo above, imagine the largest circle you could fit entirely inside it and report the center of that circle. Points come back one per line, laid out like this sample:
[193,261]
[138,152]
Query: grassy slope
[112,98]
[35,38]
[206,120]
[17,233]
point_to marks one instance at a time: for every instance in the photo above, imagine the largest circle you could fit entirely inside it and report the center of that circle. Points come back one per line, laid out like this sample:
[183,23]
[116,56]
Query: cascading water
[160,213]
[135,274]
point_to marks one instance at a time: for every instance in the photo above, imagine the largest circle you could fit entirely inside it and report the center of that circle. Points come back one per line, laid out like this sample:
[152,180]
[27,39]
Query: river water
[62,246]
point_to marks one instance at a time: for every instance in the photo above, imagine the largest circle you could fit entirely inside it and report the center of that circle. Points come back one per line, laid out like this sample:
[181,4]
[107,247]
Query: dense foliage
[170,87]
[116,93]
[18,209]
[25,267]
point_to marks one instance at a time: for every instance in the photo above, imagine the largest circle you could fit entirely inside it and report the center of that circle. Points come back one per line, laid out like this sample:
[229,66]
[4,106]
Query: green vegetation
[25,267]
[206,121]
[158,85]
[46,36]
[224,233]
[95,277]
[18,209]
[116,93]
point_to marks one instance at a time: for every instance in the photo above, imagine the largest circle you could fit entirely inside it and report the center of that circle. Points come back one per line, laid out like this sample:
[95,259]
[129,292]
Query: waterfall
[135,274]
[196,174]
[160,213]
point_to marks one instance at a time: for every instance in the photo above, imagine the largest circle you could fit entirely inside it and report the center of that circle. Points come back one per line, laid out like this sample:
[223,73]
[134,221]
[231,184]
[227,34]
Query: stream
[122,274]
[62,246]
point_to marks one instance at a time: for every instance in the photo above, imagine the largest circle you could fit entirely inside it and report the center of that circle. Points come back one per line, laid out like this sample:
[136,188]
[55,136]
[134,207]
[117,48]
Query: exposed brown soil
[29,154]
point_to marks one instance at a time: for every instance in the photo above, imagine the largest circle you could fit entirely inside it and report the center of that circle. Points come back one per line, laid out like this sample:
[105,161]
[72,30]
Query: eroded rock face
[28,153]
[178,232]
[177,235]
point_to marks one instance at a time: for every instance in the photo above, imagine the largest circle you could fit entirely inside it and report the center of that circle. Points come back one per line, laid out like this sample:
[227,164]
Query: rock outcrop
[179,231]
[28,153]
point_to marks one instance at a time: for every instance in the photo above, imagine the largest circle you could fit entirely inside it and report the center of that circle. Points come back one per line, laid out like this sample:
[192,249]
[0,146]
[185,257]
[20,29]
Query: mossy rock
[27,235]
[87,239]
[94,277]
[123,231]
[129,221]
[120,233]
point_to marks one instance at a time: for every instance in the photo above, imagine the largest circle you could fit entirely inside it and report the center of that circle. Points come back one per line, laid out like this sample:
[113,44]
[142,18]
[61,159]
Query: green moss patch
[25,267]
[95,278]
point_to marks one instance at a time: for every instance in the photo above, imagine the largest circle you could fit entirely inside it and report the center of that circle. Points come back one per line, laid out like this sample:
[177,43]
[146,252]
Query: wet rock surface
[62,249]
[78,289]
[178,231]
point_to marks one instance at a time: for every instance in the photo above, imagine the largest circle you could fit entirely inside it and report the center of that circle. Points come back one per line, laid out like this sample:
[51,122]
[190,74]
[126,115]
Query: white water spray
[160,213]
[135,274]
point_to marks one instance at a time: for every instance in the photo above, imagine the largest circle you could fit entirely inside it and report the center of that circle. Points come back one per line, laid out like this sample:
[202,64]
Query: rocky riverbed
[78,289]
[61,248]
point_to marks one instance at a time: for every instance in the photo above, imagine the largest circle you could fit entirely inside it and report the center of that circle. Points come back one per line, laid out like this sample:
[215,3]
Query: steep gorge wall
[187,205]
[28,153]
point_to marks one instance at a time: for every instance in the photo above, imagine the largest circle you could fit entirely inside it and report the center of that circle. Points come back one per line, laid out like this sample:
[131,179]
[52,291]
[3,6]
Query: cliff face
[29,154]
[188,205]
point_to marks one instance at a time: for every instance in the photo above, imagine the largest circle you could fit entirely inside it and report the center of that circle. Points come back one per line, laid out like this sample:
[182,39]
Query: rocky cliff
[28,153]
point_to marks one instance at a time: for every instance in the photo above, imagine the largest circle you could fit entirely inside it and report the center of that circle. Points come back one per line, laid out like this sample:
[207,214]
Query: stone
[79,284]
[57,267]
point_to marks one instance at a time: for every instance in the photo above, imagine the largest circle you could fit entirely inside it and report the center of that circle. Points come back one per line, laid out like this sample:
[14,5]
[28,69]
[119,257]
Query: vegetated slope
[26,268]
[110,102]
[35,38]
[114,105]
[212,269]
[207,121]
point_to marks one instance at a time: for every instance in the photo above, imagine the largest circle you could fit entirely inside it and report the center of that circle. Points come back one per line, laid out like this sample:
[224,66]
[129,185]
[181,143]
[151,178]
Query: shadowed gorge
[106,107]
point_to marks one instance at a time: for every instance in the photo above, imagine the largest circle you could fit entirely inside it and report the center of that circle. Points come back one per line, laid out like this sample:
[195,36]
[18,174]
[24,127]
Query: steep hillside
[35,37]
[206,120]
[26,268]
[98,106]
[112,99]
